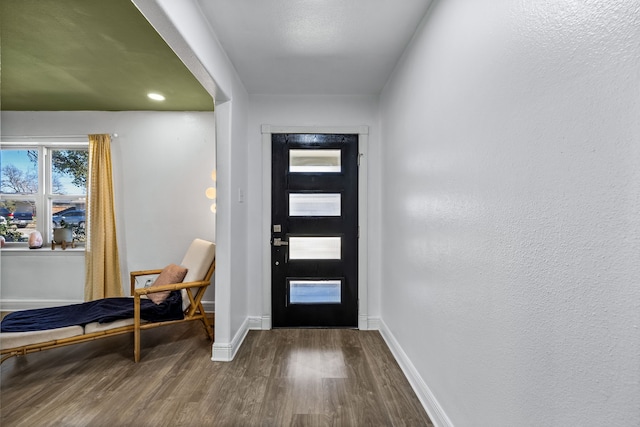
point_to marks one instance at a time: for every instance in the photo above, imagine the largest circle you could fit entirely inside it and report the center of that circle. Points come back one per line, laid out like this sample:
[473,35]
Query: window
[43,186]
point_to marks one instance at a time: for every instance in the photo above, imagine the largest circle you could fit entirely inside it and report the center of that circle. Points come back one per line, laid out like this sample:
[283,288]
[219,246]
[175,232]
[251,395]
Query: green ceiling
[64,55]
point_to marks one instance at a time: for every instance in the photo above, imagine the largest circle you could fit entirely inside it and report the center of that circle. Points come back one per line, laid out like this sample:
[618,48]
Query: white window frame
[44,197]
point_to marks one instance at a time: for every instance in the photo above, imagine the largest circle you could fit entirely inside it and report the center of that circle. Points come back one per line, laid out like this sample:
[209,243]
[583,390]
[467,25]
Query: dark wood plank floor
[288,377]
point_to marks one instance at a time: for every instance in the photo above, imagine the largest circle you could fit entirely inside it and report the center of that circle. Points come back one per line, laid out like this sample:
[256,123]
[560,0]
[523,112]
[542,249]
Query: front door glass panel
[315,291]
[314,204]
[315,248]
[315,160]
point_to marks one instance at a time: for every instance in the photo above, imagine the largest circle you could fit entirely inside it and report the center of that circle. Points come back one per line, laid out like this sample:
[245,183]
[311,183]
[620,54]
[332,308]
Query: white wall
[317,111]
[510,218]
[162,164]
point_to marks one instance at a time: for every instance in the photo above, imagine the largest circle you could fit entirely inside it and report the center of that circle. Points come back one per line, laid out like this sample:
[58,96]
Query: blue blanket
[103,310]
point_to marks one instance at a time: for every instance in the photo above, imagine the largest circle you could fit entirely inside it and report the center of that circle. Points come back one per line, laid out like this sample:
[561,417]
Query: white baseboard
[225,352]
[257,323]
[266,323]
[426,397]
[209,306]
[373,324]
[363,322]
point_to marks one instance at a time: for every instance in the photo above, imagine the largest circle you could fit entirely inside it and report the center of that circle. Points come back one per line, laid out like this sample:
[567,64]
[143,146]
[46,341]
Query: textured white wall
[511,222]
[311,111]
[162,163]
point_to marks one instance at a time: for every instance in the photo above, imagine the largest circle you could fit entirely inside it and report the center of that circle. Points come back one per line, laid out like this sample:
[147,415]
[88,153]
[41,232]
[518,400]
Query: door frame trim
[363,145]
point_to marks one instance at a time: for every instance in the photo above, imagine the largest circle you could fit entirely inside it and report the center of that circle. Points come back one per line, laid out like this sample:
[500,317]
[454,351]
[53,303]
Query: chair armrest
[135,274]
[171,287]
[145,272]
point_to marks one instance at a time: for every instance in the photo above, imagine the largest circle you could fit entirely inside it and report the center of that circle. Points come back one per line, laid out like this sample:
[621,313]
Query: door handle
[277,241]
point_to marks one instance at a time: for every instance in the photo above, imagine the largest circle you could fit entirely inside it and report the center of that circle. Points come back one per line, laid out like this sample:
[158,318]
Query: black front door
[314,243]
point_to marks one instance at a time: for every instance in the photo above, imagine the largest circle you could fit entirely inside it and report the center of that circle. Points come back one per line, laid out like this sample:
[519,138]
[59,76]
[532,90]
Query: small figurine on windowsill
[35,240]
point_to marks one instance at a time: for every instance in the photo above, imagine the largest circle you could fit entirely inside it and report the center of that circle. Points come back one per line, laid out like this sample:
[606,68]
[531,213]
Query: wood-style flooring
[286,377]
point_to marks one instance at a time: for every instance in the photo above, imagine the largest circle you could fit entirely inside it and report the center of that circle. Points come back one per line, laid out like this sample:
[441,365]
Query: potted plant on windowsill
[62,235]
[8,232]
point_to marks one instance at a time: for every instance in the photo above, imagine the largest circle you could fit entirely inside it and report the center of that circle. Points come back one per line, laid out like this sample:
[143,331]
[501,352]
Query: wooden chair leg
[208,328]
[136,328]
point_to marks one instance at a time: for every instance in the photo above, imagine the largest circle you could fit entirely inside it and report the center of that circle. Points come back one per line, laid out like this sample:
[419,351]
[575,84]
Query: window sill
[21,250]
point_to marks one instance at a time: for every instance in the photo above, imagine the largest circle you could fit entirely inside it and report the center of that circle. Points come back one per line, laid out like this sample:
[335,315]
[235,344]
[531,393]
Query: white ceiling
[314,46]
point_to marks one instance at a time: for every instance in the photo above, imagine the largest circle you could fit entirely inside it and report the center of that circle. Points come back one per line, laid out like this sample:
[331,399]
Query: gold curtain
[102,264]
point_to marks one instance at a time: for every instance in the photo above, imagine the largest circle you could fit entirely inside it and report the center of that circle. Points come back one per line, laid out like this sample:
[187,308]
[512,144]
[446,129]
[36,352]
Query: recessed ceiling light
[156,96]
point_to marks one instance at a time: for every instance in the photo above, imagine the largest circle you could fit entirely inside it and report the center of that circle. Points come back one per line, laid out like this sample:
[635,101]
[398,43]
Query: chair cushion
[170,274]
[19,339]
[197,260]
[100,327]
